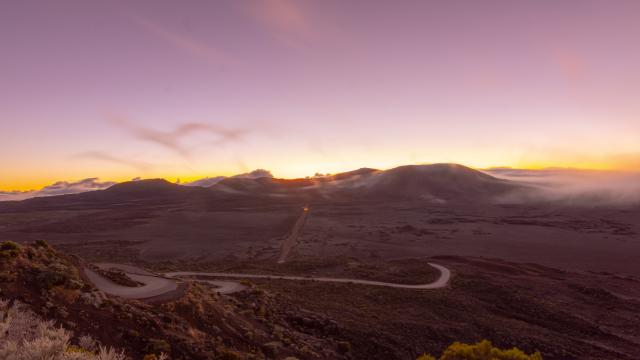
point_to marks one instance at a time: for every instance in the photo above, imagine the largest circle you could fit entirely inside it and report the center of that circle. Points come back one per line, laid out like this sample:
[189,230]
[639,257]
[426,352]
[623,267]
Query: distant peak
[146,184]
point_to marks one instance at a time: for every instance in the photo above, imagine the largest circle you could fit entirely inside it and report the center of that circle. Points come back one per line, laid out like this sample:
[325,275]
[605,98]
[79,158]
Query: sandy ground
[571,238]
[585,239]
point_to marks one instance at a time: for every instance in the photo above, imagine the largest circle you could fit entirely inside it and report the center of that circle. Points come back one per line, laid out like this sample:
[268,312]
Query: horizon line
[187,179]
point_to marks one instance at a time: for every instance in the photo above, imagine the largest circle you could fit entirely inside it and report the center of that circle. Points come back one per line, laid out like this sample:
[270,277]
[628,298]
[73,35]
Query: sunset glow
[319,179]
[119,90]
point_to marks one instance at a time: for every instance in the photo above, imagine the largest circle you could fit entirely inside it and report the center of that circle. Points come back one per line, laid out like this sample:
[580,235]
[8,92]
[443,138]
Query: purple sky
[186,89]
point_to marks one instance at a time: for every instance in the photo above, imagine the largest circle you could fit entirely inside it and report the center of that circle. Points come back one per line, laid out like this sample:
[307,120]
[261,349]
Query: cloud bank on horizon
[210,181]
[573,186]
[58,188]
[92,184]
[562,186]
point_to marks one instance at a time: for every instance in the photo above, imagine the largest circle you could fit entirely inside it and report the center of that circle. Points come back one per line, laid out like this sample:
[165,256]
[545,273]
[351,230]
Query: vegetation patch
[482,350]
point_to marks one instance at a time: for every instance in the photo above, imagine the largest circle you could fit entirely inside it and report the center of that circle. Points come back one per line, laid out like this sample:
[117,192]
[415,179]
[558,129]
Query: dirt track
[442,281]
[153,285]
[291,240]
[156,285]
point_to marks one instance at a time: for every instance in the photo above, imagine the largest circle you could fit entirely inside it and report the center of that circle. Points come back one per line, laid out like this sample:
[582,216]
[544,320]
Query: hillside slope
[198,325]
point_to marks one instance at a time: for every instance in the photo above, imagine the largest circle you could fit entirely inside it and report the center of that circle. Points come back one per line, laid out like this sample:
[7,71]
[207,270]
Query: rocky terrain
[564,315]
[199,325]
[548,276]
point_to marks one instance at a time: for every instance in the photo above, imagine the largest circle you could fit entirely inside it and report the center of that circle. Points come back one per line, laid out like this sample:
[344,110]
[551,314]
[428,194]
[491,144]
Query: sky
[188,89]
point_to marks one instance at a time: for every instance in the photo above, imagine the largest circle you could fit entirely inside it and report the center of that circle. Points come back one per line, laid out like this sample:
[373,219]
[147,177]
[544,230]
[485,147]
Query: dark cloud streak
[173,139]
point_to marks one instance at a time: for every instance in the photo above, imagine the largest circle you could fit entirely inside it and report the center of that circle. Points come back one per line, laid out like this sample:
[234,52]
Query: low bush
[9,249]
[8,245]
[25,336]
[42,243]
[48,278]
[482,350]
[58,274]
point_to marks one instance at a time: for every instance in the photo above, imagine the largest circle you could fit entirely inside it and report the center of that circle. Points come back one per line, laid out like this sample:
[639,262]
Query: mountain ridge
[433,182]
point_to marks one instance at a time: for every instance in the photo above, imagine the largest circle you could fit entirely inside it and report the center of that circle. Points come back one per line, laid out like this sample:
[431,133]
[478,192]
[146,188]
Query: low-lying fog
[575,187]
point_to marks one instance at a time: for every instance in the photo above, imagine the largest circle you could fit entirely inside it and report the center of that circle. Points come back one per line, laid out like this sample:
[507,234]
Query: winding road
[442,281]
[161,284]
[154,284]
[170,285]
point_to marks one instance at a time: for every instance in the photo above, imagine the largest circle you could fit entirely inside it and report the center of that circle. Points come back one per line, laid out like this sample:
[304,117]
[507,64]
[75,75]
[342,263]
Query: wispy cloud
[173,139]
[197,48]
[58,188]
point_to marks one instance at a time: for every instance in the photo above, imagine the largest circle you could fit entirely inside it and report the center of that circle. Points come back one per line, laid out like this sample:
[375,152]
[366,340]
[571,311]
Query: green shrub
[48,279]
[426,357]
[41,243]
[8,245]
[54,275]
[482,350]
[9,249]
[73,349]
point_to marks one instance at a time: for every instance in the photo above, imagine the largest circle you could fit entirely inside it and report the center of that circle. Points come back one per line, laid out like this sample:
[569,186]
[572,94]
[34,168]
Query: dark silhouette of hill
[147,188]
[153,191]
[437,182]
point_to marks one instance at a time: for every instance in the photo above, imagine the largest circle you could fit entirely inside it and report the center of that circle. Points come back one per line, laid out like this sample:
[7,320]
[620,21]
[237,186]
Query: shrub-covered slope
[200,325]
